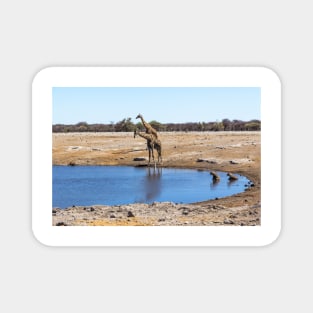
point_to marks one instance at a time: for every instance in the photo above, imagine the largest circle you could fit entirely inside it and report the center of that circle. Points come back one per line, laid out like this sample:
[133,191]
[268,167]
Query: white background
[262,77]
[37,34]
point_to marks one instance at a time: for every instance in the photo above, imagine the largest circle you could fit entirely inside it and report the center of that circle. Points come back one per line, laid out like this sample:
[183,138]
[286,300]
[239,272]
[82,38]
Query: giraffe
[152,143]
[148,127]
[149,142]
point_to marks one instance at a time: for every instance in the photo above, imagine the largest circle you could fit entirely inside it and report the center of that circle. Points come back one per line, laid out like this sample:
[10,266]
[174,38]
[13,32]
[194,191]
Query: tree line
[126,125]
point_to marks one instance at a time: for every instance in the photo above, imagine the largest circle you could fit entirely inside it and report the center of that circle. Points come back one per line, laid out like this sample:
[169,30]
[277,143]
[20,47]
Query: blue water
[112,185]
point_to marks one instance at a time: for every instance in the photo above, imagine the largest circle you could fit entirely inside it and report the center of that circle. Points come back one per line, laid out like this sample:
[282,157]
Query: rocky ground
[233,152]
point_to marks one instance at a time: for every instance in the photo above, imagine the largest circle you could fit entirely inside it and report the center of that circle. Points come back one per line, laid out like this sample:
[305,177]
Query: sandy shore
[234,152]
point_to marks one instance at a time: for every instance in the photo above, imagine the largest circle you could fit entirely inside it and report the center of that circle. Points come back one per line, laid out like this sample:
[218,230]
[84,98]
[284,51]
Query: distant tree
[170,127]
[227,124]
[156,125]
[126,125]
[139,126]
[238,125]
[80,127]
[253,125]
[218,126]
[81,124]
[112,126]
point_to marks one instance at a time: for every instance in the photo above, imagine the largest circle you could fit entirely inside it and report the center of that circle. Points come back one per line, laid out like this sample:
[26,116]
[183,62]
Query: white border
[156,77]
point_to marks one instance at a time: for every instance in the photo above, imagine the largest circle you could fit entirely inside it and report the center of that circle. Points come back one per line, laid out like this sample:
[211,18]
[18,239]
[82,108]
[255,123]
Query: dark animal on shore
[215,176]
[232,176]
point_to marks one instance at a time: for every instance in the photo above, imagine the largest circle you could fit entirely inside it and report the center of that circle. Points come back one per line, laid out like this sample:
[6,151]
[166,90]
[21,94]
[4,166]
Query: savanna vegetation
[126,125]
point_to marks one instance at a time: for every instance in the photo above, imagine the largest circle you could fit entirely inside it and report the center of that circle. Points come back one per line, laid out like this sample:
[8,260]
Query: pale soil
[235,152]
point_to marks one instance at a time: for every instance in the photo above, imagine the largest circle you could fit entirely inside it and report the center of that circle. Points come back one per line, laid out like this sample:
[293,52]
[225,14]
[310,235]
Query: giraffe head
[139,116]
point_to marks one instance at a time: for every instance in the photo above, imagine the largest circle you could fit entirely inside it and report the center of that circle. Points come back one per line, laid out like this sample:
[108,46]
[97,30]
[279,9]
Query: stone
[227,221]
[139,159]
[215,176]
[185,212]
[212,161]
[201,160]
[130,214]
[91,209]
[231,176]
[233,162]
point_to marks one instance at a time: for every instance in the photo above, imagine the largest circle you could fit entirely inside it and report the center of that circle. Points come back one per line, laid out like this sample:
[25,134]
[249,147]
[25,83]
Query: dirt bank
[234,152]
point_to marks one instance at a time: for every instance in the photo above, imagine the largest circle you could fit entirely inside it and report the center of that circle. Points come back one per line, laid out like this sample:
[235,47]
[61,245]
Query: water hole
[117,185]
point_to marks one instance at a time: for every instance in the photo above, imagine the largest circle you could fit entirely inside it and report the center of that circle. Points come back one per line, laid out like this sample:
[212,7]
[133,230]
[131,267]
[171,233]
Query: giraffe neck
[149,128]
[146,136]
[144,122]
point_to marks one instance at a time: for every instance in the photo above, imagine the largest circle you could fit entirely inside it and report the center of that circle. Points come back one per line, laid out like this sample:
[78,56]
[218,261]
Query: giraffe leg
[153,156]
[149,156]
[152,147]
[160,155]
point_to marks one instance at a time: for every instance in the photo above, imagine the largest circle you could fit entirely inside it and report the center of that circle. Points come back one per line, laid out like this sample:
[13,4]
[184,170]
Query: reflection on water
[152,183]
[214,183]
[231,182]
[116,185]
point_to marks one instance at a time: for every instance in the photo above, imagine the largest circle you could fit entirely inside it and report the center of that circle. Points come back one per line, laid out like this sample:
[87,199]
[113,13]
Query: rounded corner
[38,239]
[42,73]
[272,240]
[272,74]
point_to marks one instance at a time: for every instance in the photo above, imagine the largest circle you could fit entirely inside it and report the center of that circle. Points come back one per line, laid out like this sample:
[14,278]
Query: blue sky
[163,104]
